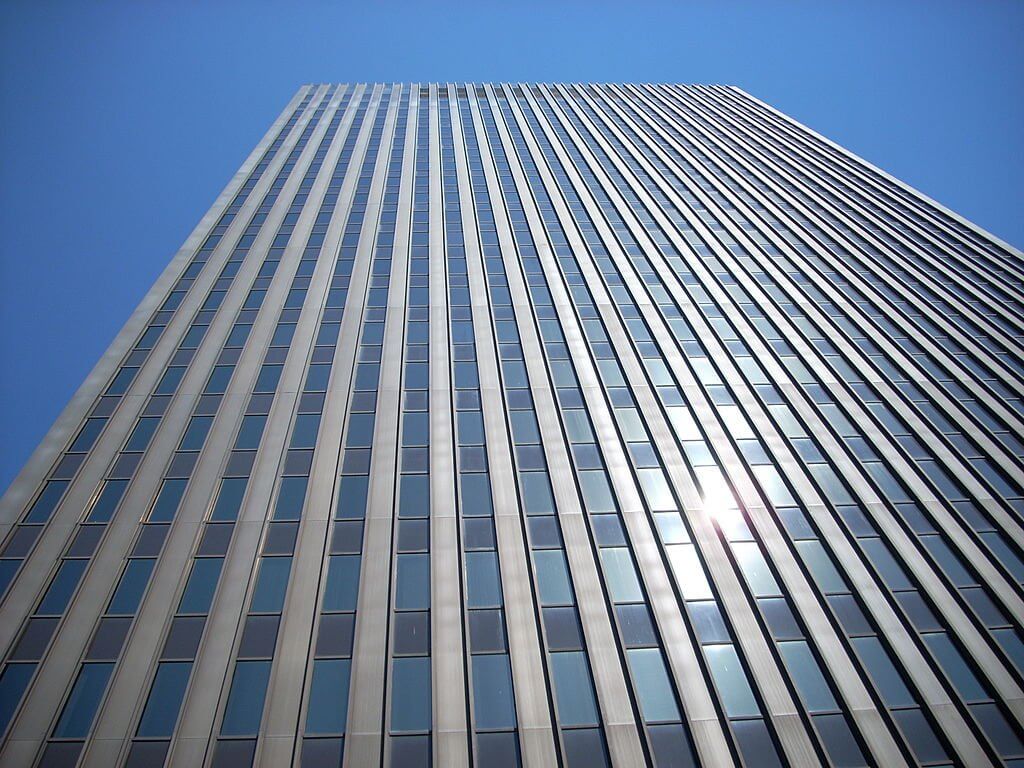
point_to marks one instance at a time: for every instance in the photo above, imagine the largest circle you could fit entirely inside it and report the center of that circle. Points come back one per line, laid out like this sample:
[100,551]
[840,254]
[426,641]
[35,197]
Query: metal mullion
[538,730]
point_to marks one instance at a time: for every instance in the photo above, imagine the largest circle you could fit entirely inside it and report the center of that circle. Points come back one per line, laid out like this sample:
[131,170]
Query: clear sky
[120,122]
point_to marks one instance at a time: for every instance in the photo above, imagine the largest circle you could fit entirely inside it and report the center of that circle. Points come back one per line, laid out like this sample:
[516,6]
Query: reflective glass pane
[651,681]
[492,692]
[731,681]
[410,697]
[165,696]
[575,694]
[244,709]
[328,697]
[80,709]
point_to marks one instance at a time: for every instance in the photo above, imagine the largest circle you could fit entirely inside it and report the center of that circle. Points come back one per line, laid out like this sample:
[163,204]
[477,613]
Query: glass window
[471,427]
[271,584]
[731,681]
[229,500]
[413,575]
[13,682]
[656,489]
[671,528]
[62,587]
[820,564]
[620,575]
[497,750]
[347,537]
[266,380]
[129,590]
[195,434]
[334,637]
[657,701]
[352,497]
[475,492]
[850,615]
[47,502]
[165,697]
[584,748]
[410,751]
[537,498]
[142,434]
[958,671]
[636,625]
[478,533]
[360,430]
[304,430]
[755,569]
[689,572]
[183,637]
[76,719]
[887,680]
[780,618]
[552,577]
[414,535]
[918,612]
[259,638]
[290,498]
[202,583]
[150,541]
[412,633]
[103,510]
[524,427]
[922,737]
[342,587]
[890,570]
[410,694]
[607,530]
[840,742]
[597,494]
[756,743]
[244,709]
[145,754]
[232,753]
[1003,736]
[328,697]
[216,538]
[250,432]
[486,631]
[671,746]
[575,694]
[167,501]
[34,639]
[414,497]
[492,692]
[483,583]
[708,622]
[806,673]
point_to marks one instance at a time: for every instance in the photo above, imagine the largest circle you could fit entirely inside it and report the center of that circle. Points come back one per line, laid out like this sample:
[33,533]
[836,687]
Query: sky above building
[123,121]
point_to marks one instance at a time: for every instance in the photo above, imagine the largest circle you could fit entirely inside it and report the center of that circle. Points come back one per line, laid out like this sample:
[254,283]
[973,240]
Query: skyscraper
[563,425]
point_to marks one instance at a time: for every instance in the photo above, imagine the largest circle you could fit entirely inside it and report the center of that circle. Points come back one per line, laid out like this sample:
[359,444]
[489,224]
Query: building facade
[560,425]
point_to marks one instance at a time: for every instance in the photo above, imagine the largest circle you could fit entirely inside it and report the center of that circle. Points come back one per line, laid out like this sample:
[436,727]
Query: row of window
[326,708]
[494,719]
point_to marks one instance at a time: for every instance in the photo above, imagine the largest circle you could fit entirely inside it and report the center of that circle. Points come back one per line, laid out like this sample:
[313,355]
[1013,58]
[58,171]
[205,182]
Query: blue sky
[121,122]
